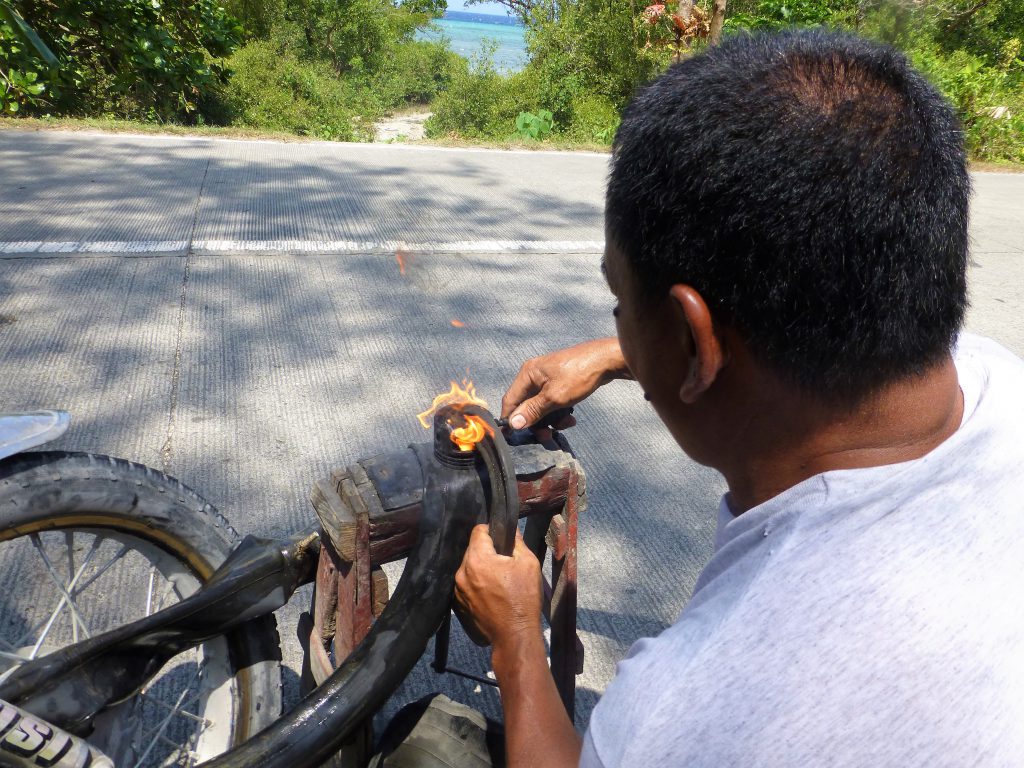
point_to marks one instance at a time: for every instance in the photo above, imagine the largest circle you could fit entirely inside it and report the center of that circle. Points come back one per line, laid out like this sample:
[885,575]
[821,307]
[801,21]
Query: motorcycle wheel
[89,543]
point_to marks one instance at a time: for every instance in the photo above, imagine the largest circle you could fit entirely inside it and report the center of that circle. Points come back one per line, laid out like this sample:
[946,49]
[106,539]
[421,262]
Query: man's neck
[784,439]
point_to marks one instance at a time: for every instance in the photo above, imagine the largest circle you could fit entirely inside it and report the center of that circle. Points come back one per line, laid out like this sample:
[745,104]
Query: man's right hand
[562,379]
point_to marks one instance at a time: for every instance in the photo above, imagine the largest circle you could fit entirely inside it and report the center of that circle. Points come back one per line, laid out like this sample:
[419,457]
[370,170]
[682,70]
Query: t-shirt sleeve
[588,757]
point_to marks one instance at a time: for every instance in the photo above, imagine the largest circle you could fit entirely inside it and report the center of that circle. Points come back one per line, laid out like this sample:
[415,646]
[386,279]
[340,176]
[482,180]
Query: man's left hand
[500,595]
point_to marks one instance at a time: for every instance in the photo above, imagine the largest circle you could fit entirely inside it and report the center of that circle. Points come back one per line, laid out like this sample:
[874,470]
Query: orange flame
[468,436]
[473,428]
[401,257]
[466,394]
[458,324]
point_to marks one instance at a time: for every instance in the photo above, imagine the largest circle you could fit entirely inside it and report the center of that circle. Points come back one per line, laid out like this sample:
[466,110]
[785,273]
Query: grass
[1001,167]
[133,126]
[113,125]
[552,144]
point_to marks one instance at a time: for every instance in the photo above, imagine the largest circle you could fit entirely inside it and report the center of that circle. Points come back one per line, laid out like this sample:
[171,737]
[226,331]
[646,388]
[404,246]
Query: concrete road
[269,334]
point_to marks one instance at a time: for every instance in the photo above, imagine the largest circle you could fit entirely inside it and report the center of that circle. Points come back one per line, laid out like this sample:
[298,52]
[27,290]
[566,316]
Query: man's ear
[707,355]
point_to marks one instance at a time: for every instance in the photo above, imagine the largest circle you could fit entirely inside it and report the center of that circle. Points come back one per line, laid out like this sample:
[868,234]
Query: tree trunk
[686,10]
[717,20]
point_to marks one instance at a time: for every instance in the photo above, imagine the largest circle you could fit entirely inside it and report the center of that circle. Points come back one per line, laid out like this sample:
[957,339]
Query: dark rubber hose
[314,730]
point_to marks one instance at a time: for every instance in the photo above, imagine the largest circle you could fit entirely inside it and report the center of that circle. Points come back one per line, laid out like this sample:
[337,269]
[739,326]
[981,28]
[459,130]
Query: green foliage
[132,58]
[988,99]
[594,119]
[17,87]
[414,73]
[588,47]
[272,88]
[319,67]
[257,17]
[278,85]
[775,14]
[357,36]
[23,56]
[480,103]
[9,15]
[586,60]
[535,127]
[329,68]
[587,57]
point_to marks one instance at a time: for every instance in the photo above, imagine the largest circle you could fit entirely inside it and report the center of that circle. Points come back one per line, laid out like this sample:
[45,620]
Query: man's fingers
[531,411]
[543,435]
[520,545]
[523,386]
[480,542]
[566,422]
[521,550]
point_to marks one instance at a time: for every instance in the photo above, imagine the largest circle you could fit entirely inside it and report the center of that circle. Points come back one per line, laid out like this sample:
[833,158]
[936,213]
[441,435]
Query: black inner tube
[503,507]
[312,732]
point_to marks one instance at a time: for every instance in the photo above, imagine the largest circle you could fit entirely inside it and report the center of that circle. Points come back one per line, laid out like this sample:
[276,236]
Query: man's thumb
[529,412]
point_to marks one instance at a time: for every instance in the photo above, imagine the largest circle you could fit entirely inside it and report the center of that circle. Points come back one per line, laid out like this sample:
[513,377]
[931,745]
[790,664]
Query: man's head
[811,191]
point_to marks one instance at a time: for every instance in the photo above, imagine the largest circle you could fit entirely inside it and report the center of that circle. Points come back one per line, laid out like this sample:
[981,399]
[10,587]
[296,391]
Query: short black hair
[813,188]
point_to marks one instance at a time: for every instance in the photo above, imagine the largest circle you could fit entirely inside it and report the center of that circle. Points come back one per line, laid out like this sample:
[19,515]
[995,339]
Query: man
[787,242]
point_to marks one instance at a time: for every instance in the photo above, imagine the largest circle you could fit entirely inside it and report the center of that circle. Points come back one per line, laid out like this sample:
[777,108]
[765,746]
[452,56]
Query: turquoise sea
[465,32]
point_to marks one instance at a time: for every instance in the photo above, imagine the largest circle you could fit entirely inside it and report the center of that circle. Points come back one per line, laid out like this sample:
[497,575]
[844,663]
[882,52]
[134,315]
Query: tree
[717,21]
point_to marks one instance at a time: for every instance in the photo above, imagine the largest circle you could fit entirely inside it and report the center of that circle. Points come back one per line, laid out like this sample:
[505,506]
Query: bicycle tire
[66,491]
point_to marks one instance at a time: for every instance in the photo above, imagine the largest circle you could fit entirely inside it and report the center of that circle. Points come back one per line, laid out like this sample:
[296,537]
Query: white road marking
[130,246]
[20,246]
[210,247]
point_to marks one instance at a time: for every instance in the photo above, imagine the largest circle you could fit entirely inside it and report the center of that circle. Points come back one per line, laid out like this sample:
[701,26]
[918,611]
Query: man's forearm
[613,361]
[538,733]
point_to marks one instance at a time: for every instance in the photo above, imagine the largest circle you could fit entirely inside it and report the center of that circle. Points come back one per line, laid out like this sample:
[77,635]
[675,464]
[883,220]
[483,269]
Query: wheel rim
[68,583]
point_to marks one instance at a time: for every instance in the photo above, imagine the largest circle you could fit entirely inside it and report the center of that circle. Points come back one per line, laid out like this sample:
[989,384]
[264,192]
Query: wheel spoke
[97,541]
[60,585]
[56,611]
[69,550]
[162,599]
[168,742]
[181,710]
[149,590]
[154,736]
[120,553]
[109,563]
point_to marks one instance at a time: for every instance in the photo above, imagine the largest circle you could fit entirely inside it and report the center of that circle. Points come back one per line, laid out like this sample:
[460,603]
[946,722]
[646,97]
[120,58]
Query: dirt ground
[404,127]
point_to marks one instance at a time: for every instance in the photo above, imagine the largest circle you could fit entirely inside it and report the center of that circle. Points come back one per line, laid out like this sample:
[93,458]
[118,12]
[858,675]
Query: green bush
[776,14]
[20,81]
[535,127]
[588,48]
[988,99]
[146,59]
[330,69]
[586,61]
[357,37]
[272,89]
[594,119]
[481,103]
[415,73]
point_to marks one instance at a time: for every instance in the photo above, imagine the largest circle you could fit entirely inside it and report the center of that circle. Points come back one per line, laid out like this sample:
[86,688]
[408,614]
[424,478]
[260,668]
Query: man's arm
[502,596]
[560,379]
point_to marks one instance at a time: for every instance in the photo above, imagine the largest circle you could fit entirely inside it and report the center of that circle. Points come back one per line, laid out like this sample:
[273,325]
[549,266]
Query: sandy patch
[407,127]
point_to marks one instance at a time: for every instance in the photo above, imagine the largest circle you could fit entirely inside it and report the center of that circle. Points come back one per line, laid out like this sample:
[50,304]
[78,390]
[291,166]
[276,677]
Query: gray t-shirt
[867,617]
